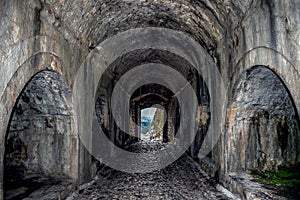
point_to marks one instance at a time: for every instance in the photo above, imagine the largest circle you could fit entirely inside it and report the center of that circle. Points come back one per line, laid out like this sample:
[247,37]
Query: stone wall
[263,127]
[40,140]
[267,36]
[236,35]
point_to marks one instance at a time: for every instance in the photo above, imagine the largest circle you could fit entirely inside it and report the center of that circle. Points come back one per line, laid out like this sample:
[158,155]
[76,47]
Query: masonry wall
[40,140]
[57,35]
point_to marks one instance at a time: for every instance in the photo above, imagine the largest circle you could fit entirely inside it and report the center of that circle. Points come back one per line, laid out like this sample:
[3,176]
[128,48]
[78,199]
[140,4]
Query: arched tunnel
[149,99]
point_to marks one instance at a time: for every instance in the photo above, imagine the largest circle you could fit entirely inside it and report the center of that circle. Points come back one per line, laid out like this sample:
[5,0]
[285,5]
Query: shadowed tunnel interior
[64,65]
[149,95]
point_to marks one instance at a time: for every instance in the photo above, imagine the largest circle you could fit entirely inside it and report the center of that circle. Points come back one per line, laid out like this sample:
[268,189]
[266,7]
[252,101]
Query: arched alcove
[149,95]
[39,143]
[262,123]
[162,99]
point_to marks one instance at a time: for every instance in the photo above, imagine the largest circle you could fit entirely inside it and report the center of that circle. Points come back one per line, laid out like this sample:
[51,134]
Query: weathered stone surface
[243,184]
[181,180]
[40,138]
[263,129]
[35,188]
[237,35]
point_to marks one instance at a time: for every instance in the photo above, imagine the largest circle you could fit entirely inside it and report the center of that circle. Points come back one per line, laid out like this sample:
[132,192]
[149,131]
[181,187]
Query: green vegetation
[286,180]
[282,177]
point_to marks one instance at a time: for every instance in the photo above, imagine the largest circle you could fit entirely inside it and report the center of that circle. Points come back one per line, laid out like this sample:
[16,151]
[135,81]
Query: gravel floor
[182,179]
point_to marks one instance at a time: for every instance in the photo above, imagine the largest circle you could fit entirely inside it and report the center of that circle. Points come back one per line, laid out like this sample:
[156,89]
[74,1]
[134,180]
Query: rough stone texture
[40,138]
[95,21]
[263,131]
[243,184]
[181,180]
[102,112]
[270,37]
[236,34]
[39,188]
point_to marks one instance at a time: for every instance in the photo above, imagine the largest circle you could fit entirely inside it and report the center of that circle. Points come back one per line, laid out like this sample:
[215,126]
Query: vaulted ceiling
[93,21]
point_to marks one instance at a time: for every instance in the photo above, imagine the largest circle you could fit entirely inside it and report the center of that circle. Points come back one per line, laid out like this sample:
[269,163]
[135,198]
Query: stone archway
[39,142]
[156,95]
[274,60]
[280,66]
[19,79]
[262,123]
[103,69]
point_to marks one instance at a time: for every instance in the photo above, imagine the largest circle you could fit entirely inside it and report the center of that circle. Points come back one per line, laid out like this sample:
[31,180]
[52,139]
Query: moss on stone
[286,180]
